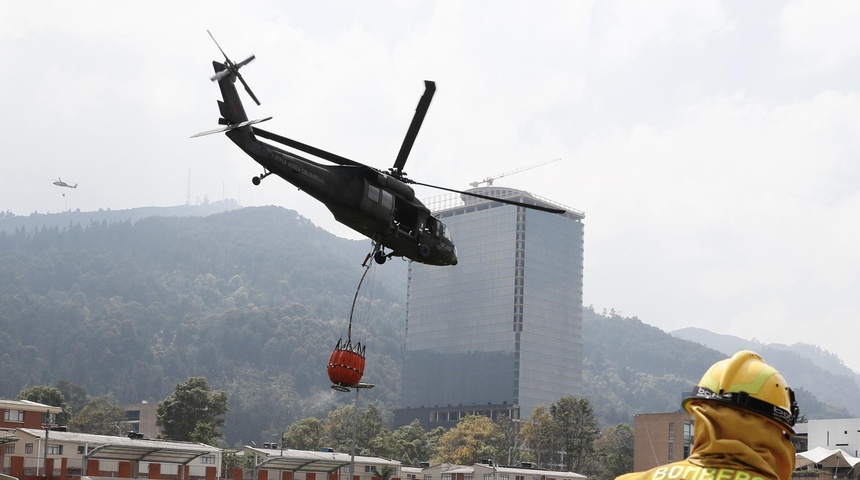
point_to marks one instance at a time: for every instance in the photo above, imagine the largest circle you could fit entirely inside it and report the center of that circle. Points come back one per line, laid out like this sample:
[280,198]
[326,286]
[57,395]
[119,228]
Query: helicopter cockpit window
[443,231]
[431,226]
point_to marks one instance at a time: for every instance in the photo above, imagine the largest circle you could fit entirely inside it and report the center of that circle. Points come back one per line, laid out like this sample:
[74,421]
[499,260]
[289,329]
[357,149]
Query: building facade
[36,454]
[835,433]
[488,471]
[289,464]
[142,418]
[26,414]
[500,332]
[661,438]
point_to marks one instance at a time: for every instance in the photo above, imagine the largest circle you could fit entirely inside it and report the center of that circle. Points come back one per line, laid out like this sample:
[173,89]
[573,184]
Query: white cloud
[738,211]
[822,35]
[719,185]
[630,27]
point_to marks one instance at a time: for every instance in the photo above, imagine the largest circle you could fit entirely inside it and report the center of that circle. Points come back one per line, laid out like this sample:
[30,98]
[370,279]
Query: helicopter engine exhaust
[397,186]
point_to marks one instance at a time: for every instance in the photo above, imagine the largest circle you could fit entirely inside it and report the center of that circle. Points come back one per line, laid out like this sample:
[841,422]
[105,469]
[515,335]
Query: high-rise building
[500,332]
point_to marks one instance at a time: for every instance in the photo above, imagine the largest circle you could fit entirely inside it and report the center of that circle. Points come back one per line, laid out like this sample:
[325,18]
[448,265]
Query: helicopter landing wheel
[257,180]
[423,250]
[379,257]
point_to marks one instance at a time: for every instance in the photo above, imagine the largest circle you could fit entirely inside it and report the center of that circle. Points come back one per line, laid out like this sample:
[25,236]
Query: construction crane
[489,180]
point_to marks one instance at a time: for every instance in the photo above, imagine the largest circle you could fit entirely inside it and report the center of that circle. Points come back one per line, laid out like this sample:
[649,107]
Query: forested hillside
[631,367]
[818,370]
[254,300]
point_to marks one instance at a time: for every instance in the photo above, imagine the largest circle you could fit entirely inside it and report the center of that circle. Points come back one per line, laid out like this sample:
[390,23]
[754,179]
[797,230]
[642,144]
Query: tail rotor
[232,68]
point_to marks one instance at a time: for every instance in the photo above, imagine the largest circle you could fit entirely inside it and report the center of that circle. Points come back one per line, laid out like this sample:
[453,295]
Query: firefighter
[743,413]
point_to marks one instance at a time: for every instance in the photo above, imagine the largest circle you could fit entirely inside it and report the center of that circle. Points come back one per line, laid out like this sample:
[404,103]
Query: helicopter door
[377,203]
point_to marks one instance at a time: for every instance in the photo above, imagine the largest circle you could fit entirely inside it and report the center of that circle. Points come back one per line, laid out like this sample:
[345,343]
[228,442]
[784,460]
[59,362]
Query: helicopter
[378,204]
[61,183]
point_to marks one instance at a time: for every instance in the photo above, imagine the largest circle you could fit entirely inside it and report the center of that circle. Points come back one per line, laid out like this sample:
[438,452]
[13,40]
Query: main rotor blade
[331,157]
[219,46]
[417,120]
[495,199]
[247,88]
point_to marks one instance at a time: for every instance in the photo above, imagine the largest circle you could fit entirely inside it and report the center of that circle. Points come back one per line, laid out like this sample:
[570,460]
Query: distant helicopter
[380,205]
[61,183]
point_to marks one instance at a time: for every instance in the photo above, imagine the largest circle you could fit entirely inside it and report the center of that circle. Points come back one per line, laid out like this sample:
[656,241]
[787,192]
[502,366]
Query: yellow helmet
[746,381]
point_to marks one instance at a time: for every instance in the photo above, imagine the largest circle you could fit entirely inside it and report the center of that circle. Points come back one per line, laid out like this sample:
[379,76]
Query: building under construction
[500,332]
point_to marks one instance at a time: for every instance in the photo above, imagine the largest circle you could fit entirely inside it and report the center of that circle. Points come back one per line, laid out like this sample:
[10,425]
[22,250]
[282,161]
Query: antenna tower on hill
[188,190]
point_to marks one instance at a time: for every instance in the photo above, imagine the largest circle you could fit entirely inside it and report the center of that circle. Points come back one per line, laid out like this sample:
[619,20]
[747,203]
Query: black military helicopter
[380,205]
[60,183]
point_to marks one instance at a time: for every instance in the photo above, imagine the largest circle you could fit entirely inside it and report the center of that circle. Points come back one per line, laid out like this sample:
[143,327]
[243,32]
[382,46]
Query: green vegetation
[474,438]
[561,437]
[100,416]
[254,300]
[631,367]
[575,430]
[614,451]
[47,396]
[193,413]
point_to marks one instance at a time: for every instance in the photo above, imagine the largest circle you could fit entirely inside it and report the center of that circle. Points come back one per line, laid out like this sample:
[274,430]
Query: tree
[385,444]
[47,396]
[340,425]
[474,438]
[261,405]
[537,433]
[513,440]
[371,424]
[412,443]
[100,416]
[614,449]
[386,472]
[231,460]
[205,433]
[306,434]
[433,438]
[575,427]
[75,395]
[337,429]
[193,412]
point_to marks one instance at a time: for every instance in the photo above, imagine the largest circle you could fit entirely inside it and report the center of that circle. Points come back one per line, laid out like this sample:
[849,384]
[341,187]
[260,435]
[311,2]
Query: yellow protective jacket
[729,444]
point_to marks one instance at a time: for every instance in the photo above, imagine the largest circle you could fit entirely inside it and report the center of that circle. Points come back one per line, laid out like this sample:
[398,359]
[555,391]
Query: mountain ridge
[254,299]
[10,222]
[793,356]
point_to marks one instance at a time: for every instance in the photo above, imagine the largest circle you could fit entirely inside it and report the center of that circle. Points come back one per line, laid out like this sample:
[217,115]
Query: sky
[713,146]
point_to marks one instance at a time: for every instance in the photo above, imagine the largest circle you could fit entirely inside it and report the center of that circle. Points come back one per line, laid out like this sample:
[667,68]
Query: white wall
[842,433]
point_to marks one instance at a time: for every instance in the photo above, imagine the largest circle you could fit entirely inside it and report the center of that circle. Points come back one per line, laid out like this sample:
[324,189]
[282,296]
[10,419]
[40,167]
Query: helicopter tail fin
[231,108]
[232,111]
